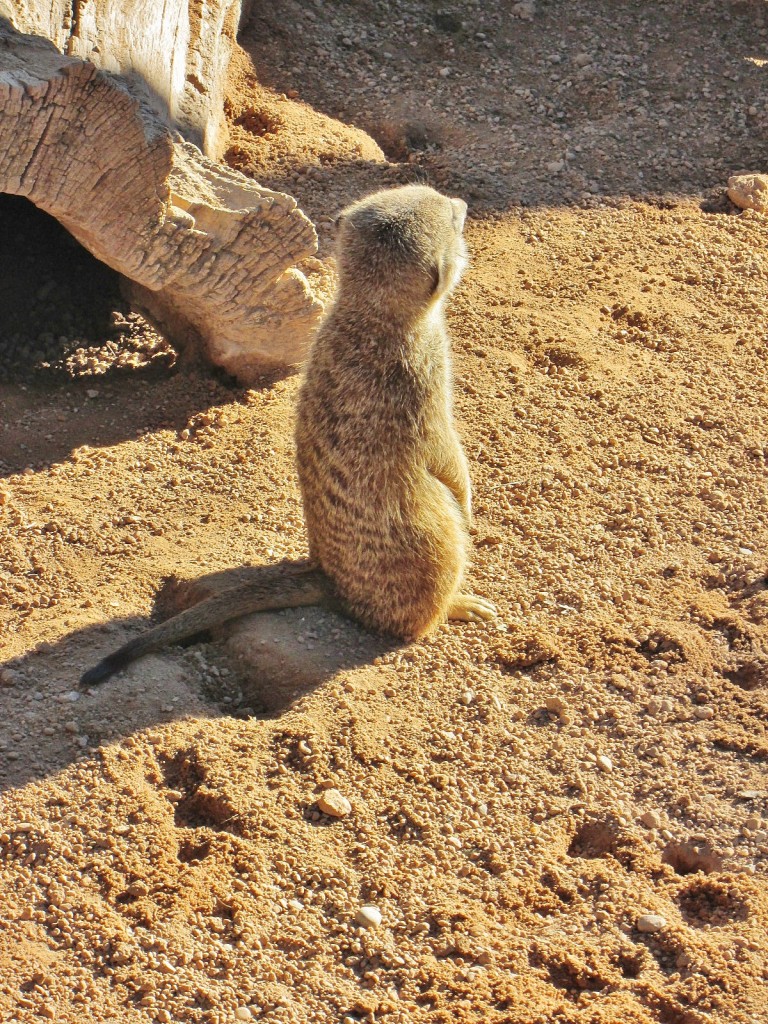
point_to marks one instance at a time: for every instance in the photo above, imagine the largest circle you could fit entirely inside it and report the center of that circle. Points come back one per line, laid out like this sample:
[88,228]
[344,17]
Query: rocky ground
[562,817]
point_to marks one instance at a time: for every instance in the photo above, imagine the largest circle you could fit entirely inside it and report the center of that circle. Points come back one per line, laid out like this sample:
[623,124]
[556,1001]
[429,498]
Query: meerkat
[383,476]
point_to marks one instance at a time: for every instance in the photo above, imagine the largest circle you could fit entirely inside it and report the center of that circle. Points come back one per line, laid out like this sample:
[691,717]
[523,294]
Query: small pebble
[651,819]
[650,923]
[604,763]
[704,713]
[368,916]
[243,1013]
[334,803]
[525,9]
[556,705]
[749,191]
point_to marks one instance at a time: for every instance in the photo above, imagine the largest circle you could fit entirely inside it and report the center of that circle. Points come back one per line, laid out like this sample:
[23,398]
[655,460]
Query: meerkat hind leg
[471,608]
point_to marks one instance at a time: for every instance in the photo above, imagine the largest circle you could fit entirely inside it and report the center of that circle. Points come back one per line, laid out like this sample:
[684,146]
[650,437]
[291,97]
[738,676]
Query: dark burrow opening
[61,309]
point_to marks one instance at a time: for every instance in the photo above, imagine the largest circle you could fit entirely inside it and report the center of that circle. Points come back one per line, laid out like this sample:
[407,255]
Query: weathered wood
[180,49]
[213,257]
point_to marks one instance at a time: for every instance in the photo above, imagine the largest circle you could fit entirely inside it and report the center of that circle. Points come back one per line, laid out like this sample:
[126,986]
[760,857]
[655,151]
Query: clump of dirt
[521,793]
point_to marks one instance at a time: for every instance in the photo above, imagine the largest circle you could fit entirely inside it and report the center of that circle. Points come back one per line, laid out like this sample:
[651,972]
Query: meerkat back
[383,476]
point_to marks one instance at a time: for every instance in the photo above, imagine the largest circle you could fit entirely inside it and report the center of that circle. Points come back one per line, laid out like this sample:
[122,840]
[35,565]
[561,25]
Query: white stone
[368,916]
[334,803]
[650,923]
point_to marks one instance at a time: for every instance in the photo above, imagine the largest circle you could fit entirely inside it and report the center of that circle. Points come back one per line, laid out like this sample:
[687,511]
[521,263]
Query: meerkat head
[402,248]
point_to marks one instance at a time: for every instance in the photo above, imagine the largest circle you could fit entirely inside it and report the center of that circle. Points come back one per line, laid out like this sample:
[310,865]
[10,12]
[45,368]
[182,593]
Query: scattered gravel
[163,853]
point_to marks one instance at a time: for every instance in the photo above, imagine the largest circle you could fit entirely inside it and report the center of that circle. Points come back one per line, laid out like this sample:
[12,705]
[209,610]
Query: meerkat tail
[311,588]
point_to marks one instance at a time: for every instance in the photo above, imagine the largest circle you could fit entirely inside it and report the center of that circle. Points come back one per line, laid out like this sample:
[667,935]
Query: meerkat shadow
[278,656]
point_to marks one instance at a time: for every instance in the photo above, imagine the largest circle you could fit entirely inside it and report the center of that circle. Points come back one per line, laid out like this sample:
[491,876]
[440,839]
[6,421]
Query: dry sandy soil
[522,794]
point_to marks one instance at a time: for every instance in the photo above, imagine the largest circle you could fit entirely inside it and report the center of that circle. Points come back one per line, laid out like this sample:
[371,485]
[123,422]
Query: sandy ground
[561,817]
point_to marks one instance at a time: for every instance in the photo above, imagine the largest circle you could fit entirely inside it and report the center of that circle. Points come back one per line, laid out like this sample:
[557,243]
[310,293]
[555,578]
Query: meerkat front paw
[470,608]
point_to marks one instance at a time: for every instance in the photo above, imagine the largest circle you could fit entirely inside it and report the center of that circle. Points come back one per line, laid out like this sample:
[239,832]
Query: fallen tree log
[216,260]
[181,50]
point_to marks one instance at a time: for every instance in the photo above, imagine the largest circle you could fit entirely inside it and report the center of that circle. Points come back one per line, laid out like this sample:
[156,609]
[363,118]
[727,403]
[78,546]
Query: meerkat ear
[459,214]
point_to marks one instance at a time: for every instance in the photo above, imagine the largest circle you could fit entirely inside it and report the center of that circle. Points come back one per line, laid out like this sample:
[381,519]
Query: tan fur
[383,476]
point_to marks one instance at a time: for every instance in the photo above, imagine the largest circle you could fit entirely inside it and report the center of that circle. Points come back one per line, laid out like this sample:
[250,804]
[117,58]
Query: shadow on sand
[268,662]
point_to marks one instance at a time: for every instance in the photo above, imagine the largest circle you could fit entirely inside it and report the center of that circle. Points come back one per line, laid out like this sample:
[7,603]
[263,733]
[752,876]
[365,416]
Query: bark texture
[210,255]
[179,48]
